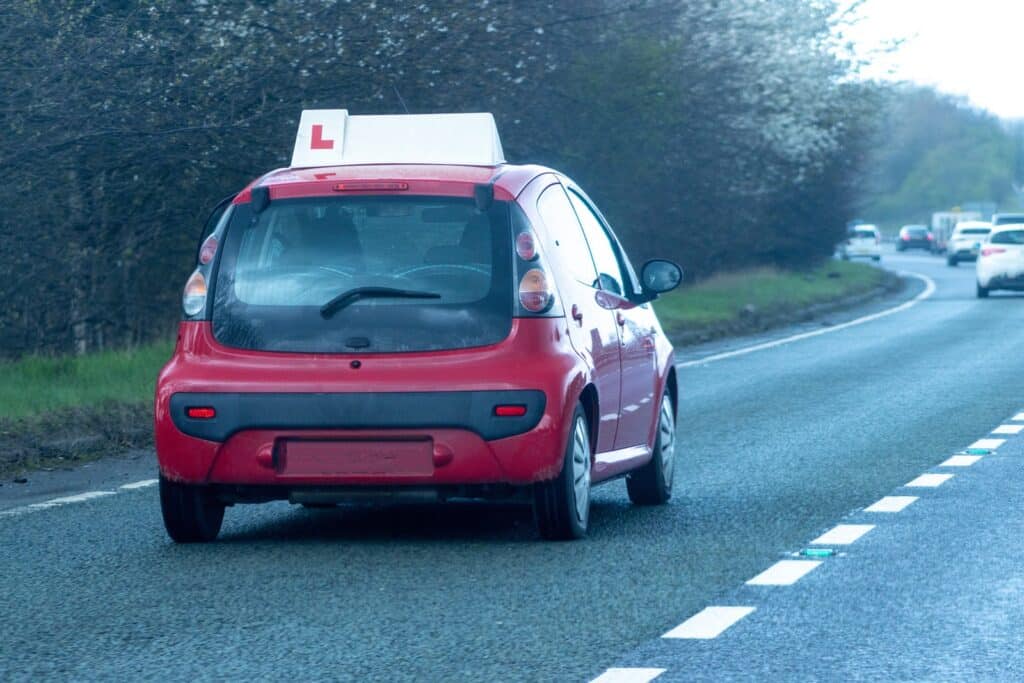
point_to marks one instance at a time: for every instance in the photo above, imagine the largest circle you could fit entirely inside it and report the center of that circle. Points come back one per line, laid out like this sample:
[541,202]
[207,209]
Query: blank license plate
[327,458]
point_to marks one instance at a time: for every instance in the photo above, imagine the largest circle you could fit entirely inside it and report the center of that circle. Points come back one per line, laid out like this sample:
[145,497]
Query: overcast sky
[966,47]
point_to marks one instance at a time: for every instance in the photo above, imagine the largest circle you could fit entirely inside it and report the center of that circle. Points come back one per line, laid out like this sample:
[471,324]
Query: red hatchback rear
[417,332]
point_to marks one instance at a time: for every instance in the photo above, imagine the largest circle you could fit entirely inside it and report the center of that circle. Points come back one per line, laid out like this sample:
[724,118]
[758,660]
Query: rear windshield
[1008,237]
[1009,218]
[974,231]
[863,233]
[921,232]
[404,273]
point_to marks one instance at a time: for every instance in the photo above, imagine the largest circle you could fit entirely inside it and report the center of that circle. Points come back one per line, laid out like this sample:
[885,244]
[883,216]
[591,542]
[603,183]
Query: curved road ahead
[777,445]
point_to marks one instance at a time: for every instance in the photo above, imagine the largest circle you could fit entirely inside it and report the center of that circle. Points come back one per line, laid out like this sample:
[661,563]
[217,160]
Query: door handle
[577,314]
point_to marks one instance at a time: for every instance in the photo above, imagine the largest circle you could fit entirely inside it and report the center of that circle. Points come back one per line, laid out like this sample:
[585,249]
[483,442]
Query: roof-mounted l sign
[330,137]
[321,138]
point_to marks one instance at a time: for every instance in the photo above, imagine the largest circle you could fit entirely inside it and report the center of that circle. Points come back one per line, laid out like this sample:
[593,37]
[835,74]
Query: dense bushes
[716,132]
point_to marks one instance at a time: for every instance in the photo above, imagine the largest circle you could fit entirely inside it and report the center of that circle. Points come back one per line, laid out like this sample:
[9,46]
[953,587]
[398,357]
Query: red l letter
[318,141]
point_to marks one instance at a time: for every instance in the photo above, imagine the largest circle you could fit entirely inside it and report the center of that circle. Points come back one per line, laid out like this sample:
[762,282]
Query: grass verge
[754,299]
[55,411]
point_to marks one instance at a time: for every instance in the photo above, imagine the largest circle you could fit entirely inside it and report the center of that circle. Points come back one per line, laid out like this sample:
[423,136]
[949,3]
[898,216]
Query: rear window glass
[1008,237]
[404,273]
[917,232]
[974,231]
[864,234]
[1009,218]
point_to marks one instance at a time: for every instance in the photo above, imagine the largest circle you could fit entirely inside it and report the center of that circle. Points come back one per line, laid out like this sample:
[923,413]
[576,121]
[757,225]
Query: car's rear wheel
[652,483]
[982,292]
[951,261]
[562,505]
[191,513]
[876,258]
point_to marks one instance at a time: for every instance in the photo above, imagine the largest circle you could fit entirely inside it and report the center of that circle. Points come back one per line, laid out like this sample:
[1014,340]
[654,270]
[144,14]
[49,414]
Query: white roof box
[330,137]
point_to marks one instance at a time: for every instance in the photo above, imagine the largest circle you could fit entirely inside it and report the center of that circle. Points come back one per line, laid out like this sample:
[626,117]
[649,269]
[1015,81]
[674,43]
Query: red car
[415,332]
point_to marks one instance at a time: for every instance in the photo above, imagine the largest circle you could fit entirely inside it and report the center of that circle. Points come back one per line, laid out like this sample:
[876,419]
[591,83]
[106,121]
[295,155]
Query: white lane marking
[961,461]
[631,675]
[1018,417]
[928,481]
[67,500]
[988,444]
[709,623]
[929,289]
[1008,429]
[784,573]
[891,504]
[145,483]
[844,534]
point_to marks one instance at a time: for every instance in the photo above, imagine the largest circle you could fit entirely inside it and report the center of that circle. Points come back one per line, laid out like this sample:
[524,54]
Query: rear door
[592,328]
[636,327]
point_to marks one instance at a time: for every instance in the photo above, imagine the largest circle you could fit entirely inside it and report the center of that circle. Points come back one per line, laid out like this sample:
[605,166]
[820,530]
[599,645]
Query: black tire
[652,483]
[982,292]
[191,513]
[555,509]
[876,258]
[952,261]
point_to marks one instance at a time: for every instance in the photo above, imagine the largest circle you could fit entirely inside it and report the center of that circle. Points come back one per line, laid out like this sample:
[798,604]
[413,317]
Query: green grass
[36,385]
[722,298]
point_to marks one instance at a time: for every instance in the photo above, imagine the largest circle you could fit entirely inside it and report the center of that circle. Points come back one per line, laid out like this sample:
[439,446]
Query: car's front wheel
[982,292]
[951,261]
[562,505]
[191,513]
[652,483]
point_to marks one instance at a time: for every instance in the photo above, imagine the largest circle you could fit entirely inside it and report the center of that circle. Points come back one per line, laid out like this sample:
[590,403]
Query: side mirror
[659,276]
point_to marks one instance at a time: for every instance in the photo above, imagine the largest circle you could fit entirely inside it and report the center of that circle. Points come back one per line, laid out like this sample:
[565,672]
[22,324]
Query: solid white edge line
[929,289]
[1018,417]
[1008,429]
[784,573]
[56,502]
[843,534]
[709,623]
[145,483]
[961,461]
[891,504]
[988,444]
[928,481]
[628,675]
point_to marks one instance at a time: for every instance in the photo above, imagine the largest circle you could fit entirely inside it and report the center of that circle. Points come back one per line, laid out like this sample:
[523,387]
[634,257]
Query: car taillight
[526,248]
[208,250]
[514,410]
[905,238]
[193,301]
[989,251]
[534,293]
[930,237]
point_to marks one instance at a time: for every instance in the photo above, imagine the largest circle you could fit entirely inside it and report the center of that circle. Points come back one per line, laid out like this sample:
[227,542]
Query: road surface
[777,447]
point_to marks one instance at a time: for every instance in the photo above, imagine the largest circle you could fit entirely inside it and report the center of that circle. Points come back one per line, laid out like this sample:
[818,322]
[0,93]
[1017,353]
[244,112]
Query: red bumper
[401,446]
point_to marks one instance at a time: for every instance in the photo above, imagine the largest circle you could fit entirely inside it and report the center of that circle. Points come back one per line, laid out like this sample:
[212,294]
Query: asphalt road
[777,446]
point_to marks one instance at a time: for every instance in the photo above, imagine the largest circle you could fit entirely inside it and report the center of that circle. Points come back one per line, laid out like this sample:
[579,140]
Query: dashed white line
[891,504]
[1018,417]
[928,481]
[1008,429]
[843,534]
[630,675]
[988,444]
[929,289]
[784,573]
[709,623]
[145,483]
[961,461]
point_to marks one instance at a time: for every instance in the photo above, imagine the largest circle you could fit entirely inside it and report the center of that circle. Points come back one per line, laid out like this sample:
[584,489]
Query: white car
[966,240]
[862,241]
[1001,260]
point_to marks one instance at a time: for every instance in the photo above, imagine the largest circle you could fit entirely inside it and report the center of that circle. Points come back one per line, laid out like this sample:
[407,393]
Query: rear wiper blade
[353,295]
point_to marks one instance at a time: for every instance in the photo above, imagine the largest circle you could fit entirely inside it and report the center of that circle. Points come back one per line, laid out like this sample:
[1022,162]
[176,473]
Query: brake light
[193,301]
[930,237]
[526,248]
[370,186]
[208,250]
[510,411]
[534,293]
[203,413]
[989,251]
[905,238]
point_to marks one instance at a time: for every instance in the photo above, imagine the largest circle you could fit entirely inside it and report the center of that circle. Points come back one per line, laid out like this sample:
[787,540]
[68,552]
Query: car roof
[1008,226]
[508,180]
[973,225]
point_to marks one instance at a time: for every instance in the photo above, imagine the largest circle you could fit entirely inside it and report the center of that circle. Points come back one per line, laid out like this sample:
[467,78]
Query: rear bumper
[1015,283]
